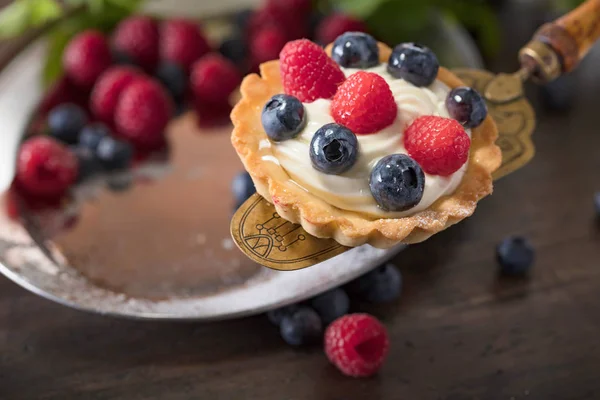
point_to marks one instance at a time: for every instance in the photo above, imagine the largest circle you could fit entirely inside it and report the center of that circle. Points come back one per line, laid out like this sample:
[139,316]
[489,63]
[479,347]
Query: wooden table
[458,331]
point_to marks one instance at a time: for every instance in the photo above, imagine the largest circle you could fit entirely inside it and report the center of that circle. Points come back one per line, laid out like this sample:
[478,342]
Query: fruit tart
[363,143]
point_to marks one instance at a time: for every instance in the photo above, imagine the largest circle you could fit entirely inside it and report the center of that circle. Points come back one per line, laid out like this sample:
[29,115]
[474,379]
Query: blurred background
[462,32]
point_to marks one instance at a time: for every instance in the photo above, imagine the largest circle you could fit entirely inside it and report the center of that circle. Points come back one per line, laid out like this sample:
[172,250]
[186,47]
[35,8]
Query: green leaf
[57,41]
[358,8]
[129,5]
[480,18]
[43,11]
[394,21]
[14,19]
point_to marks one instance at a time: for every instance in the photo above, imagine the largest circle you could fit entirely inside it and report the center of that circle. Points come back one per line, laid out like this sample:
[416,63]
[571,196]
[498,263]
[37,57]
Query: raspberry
[266,44]
[357,344]
[440,145]
[364,103]
[138,37]
[293,24]
[299,7]
[142,113]
[213,79]
[45,168]
[334,25]
[307,71]
[182,42]
[87,55]
[105,94]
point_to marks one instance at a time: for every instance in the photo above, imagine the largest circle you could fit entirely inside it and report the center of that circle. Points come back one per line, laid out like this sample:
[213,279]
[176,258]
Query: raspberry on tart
[365,152]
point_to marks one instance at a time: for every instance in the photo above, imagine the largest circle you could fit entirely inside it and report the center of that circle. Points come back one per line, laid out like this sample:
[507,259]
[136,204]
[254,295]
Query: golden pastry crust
[349,228]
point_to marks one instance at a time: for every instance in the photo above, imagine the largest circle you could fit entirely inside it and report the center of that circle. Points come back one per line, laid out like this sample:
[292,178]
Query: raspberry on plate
[266,44]
[356,344]
[440,145]
[336,24]
[142,113]
[182,42]
[299,7]
[213,79]
[105,94]
[138,37]
[45,168]
[307,72]
[364,103]
[291,21]
[86,56]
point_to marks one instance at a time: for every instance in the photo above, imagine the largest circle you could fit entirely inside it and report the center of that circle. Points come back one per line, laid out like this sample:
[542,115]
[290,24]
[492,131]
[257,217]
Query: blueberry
[234,48]
[414,63]
[397,182]
[173,78]
[515,255]
[283,117]
[275,316]
[302,327]
[381,285]
[331,305]
[333,149]
[242,187]
[114,154]
[466,105]
[597,203]
[88,164]
[355,50]
[66,121]
[91,134]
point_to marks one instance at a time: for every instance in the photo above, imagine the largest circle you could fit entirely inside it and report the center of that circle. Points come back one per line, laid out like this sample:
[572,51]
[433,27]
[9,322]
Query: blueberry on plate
[302,327]
[397,182]
[414,63]
[242,187]
[66,121]
[114,154]
[466,105]
[331,305]
[91,134]
[277,315]
[381,285]
[515,255]
[88,164]
[173,78]
[234,48]
[283,117]
[355,50]
[333,149]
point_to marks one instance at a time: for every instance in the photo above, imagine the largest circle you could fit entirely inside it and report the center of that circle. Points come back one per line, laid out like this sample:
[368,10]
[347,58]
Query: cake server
[555,49]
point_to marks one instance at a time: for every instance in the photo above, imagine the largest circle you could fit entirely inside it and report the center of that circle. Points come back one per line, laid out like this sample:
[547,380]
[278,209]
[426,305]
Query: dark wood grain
[458,331]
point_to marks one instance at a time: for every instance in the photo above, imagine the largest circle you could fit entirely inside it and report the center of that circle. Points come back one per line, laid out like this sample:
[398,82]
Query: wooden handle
[572,35]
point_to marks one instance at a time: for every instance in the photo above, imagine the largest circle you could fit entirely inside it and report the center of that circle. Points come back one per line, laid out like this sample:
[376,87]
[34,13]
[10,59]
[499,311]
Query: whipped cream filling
[350,190]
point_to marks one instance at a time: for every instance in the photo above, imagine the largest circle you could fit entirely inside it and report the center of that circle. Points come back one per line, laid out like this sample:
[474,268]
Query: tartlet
[351,228]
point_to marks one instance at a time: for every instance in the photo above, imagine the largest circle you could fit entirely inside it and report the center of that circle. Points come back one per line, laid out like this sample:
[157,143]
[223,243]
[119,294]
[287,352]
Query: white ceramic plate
[31,265]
